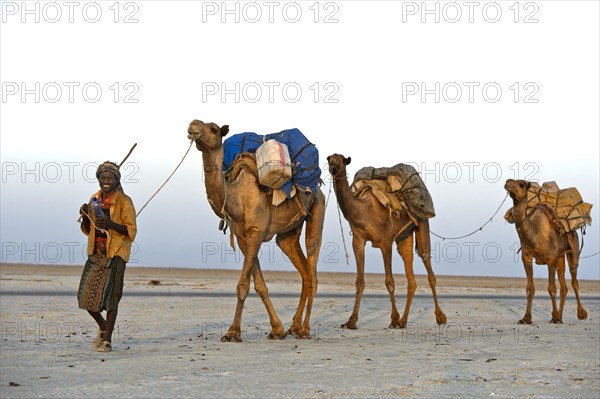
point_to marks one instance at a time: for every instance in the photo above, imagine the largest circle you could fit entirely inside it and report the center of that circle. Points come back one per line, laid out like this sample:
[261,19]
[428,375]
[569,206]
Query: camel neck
[343,192]
[520,211]
[213,178]
[521,220]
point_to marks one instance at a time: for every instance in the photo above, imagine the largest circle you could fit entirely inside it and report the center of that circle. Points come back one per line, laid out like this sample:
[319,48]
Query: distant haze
[468,103]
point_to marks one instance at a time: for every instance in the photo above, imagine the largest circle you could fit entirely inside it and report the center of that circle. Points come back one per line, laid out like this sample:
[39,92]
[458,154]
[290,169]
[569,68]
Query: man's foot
[104,347]
[98,339]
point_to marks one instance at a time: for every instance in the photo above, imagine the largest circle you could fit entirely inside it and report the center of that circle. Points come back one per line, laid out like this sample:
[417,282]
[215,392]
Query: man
[110,235]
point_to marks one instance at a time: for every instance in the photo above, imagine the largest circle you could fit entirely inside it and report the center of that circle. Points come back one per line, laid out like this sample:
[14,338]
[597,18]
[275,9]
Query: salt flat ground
[167,342]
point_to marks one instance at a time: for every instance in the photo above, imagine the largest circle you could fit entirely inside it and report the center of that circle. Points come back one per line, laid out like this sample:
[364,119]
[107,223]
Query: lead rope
[168,178]
[340,220]
[476,230]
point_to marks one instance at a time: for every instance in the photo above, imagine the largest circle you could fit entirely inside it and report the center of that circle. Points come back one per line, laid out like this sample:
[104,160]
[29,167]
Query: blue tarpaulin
[303,155]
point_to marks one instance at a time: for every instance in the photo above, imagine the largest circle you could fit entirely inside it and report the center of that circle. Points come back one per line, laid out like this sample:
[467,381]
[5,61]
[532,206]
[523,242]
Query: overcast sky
[470,93]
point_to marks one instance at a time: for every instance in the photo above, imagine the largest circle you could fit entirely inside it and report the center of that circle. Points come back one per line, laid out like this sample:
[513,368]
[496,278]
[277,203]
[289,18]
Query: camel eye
[213,129]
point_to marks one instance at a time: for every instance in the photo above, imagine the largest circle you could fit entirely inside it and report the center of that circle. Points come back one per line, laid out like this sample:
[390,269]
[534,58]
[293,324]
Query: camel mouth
[334,161]
[195,129]
[194,135]
[334,166]
[510,185]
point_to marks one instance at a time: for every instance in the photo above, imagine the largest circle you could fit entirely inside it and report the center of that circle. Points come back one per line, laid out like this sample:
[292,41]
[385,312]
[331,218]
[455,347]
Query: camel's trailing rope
[476,230]
[443,238]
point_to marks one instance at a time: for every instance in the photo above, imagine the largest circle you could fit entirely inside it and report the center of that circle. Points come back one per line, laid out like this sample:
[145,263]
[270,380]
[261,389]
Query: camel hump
[304,156]
[402,184]
[567,204]
[273,163]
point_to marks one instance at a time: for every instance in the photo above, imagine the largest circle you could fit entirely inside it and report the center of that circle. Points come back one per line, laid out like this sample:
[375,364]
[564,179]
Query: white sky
[361,76]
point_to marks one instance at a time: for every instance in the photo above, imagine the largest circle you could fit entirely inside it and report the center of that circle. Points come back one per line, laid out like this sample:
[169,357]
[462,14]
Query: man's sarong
[101,285]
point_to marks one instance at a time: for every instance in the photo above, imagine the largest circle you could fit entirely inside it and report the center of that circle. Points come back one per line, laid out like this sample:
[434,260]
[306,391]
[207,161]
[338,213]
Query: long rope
[168,178]
[326,203]
[476,230]
[341,226]
[94,224]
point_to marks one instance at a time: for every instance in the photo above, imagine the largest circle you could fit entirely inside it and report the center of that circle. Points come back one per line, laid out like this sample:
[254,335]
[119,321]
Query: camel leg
[527,264]
[314,235]
[563,286]
[277,330]
[552,291]
[358,246]
[290,245]
[386,251]
[405,249]
[250,247]
[573,260]
[424,250]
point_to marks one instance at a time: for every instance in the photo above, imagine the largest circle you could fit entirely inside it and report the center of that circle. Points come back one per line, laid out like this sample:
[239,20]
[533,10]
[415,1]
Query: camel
[540,240]
[370,221]
[254,220]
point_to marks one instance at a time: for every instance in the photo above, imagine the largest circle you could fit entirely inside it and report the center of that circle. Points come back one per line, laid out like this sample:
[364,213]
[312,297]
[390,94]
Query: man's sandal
[98,339]
[104,347]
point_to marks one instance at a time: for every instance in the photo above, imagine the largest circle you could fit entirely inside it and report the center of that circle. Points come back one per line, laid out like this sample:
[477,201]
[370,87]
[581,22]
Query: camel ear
[224,130]
[528,185]
[348,160]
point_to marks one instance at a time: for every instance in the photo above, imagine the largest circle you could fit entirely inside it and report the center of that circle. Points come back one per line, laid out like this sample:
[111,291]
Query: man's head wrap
[109,167]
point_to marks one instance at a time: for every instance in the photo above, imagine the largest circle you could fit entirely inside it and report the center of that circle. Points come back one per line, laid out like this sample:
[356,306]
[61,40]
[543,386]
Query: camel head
[208,136]
[517,189]
[337,164]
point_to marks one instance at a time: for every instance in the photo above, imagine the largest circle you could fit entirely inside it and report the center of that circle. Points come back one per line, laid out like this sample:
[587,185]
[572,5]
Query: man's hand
[104,223]
[84,209]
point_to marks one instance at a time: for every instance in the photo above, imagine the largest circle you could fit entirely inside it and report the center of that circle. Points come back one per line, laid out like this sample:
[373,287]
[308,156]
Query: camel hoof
[581,314]
[441,318]
[277,335]
[349,326]
[525,321]
[401,323]
[231,338]
[556,321]
[303,336]
[302,333]
[296,331]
